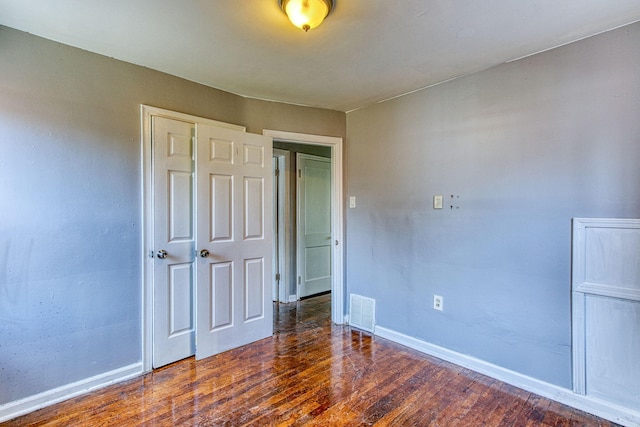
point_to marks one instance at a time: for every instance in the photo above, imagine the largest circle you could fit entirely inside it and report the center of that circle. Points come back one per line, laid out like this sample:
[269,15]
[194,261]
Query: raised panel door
[233,220]
[173,272]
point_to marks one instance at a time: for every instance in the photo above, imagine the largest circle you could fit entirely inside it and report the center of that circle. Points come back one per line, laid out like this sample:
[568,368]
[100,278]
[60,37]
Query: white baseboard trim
[38,401]
[621,415]
[293,298]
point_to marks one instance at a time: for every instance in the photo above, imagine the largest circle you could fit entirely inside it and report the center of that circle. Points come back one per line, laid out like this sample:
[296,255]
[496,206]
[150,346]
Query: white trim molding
[337,285]
[38,401]
[147,111]
[600,408]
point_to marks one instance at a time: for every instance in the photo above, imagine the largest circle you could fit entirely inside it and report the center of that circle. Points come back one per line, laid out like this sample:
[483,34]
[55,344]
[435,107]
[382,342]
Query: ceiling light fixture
[306,14]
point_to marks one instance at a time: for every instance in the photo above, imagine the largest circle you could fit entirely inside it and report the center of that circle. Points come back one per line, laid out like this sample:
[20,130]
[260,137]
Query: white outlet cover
[438,303]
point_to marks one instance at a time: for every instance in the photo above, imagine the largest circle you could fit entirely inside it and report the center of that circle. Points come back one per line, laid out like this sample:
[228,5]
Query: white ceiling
[366,51]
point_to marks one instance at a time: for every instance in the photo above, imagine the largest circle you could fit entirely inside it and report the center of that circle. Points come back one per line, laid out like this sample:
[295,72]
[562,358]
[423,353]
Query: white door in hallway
[174,240]
[314,225]
[234,266]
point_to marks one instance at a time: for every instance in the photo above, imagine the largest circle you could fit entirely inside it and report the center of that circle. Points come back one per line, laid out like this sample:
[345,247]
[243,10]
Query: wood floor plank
[456,414]
[412,405]
[311,373]
[429,400]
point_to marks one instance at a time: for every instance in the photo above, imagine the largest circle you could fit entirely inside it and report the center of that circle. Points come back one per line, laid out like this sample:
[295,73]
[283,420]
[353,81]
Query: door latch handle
[162,254]
[204,253]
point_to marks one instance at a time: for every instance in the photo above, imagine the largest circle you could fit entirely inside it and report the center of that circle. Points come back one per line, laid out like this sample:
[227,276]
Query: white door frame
[337,214]
[282,239]
[146,113]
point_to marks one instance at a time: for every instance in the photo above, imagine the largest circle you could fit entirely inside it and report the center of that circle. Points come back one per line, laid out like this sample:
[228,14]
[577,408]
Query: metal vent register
[362,312]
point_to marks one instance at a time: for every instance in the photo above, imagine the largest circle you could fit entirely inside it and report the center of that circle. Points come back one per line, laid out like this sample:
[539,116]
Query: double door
[212,239]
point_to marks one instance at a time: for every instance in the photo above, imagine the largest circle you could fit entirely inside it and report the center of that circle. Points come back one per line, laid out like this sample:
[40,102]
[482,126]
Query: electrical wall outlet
[438,303]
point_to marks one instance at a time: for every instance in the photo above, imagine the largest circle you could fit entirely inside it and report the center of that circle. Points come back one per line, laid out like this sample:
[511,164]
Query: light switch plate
[437,202]
[352,202]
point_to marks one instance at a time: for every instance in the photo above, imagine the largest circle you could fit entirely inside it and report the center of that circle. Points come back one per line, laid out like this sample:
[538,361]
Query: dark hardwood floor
[311,373]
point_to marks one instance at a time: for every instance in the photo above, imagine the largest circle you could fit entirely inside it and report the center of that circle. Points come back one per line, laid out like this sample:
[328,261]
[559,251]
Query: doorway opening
[152,255]
[330,148]
[302,243]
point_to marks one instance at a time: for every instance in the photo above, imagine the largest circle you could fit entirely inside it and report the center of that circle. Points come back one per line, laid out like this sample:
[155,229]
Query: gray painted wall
[70,190]
[526,146]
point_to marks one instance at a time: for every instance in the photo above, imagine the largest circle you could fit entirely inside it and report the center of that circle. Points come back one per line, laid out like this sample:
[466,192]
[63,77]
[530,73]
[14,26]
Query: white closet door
[234,208]
[174,239]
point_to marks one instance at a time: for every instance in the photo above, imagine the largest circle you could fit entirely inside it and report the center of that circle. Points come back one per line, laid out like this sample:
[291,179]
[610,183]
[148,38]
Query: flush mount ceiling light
[306,14]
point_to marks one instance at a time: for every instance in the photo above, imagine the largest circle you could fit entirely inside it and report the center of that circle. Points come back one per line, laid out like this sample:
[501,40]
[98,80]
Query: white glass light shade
[307,14]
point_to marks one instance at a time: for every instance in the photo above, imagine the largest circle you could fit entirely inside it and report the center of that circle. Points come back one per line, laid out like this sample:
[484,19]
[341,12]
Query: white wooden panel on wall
[221,295]
[254,288]
[253,208]
[606,309]
[606,271]
[613,349]
[221,211]
[180,299]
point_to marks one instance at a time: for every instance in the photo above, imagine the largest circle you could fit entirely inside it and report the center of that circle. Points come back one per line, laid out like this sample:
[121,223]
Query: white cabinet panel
[612,341]
[606,310]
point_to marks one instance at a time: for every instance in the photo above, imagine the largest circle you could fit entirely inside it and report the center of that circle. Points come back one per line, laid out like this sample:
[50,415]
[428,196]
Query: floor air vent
[362,312]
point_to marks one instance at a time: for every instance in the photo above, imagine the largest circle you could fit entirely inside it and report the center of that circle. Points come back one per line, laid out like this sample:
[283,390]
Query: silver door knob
[162,254]
[204,253]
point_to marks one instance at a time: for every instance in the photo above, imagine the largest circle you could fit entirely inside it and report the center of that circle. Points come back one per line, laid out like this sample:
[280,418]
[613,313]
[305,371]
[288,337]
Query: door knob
[162,254]
[204,253]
